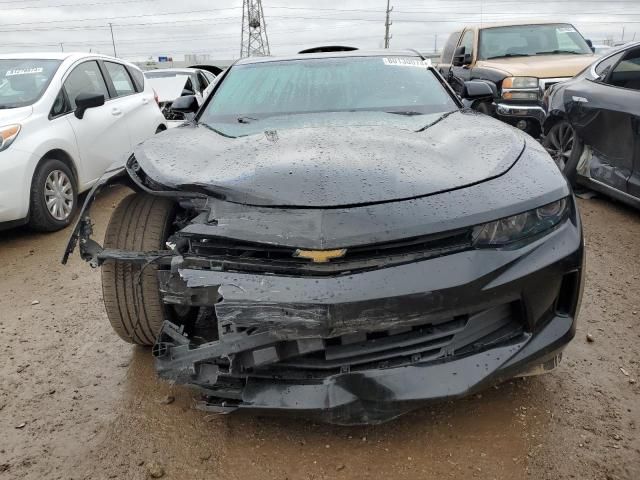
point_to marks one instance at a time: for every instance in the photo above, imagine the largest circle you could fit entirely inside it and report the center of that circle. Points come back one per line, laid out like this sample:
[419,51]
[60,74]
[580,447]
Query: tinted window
[467,42]
[85,78]
[120,79]
[450,46]
[602,69]
[23,81]
[626,74]
[549,39]
[260,90]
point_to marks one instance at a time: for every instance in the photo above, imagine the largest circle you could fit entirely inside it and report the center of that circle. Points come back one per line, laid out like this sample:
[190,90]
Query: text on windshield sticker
[406,62]
[24,71]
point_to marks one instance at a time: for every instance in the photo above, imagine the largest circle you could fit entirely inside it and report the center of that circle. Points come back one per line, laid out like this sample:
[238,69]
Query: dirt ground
[76,402]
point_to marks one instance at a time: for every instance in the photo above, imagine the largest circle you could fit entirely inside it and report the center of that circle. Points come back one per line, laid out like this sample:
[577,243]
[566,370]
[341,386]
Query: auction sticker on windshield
[406,62]
[24,71]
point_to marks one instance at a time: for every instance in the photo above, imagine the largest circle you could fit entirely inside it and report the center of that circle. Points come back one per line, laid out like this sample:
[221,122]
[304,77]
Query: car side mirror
[186,104]
[590,43]
[84,101]
[475,89]
[461,58]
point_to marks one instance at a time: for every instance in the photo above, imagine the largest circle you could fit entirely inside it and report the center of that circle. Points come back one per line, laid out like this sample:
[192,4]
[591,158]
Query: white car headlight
[521,226]
[8,134]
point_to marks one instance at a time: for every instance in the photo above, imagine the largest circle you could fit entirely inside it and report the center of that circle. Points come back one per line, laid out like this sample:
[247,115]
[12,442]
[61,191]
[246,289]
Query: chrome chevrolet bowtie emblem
[320,256]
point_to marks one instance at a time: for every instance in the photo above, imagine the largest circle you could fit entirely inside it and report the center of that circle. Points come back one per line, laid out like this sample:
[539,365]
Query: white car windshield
[23,81]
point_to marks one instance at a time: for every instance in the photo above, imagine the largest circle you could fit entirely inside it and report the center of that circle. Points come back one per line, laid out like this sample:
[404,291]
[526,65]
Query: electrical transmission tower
[254,41]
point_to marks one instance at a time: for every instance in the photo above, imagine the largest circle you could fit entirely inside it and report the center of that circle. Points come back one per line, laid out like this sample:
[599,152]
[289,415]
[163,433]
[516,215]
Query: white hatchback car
[64,119]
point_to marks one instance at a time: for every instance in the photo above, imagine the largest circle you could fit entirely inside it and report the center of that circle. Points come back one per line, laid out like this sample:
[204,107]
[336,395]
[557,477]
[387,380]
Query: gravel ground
[76,402]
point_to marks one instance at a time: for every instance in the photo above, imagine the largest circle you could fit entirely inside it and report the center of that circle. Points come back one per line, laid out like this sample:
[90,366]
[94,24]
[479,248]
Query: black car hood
[333,161]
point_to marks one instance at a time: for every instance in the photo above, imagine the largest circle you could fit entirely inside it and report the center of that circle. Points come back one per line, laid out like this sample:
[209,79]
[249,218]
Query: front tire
[53,199]
[131,293]
[565,148]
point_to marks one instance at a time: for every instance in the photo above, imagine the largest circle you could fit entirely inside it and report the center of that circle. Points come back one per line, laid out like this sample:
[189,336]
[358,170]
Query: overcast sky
[149,28]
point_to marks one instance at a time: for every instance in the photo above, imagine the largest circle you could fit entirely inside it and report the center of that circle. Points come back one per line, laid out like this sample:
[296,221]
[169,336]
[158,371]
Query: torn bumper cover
[367,347]
[367,337]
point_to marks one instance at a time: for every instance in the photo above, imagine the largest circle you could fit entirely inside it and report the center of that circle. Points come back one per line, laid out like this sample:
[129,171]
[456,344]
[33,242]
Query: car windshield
[398,85]
[23,81]
[529,40]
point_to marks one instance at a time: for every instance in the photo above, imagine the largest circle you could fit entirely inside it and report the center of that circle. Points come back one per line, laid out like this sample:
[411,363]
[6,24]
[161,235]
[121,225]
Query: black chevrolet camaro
[334,235]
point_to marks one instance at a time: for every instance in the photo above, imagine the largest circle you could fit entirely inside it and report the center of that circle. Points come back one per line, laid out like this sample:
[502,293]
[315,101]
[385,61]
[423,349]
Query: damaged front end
[395,319]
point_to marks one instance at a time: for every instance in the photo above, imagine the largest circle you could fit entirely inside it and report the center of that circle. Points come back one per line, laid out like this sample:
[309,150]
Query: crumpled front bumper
[367,347]
[375,396]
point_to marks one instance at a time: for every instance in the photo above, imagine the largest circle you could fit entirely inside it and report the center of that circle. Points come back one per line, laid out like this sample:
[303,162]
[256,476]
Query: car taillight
[156,98]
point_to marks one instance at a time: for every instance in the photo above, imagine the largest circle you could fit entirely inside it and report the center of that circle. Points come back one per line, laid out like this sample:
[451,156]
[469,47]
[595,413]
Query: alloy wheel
[58,195]
[560,143]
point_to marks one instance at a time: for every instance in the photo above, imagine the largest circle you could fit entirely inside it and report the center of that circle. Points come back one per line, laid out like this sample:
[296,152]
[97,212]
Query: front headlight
[519,227]
[7,135]
[520,82]
[520,88]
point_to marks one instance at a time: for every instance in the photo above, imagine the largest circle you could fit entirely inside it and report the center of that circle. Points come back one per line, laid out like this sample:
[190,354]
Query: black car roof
[354,53]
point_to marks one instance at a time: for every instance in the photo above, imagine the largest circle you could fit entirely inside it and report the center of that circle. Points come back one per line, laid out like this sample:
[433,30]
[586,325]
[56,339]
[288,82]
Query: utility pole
[387,24]
[253,40]
[61,47]
[435,44]
[113,42]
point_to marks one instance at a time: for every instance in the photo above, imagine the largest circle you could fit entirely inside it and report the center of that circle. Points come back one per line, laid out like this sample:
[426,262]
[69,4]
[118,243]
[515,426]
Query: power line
[103,27]
[209,10]
[43,7]
[146,39]
[551,14]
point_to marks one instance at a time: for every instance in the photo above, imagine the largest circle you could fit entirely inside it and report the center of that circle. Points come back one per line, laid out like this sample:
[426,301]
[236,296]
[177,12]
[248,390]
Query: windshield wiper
[554,52]
[507,55]
[246,119]
[437,120]
[409,113]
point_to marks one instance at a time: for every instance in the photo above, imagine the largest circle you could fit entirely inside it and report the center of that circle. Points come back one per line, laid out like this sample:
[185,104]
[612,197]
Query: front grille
[460,335]
[245,256]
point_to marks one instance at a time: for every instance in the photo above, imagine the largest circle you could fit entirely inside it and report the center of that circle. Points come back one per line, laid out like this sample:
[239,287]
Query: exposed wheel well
[65,158]
[551,121]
